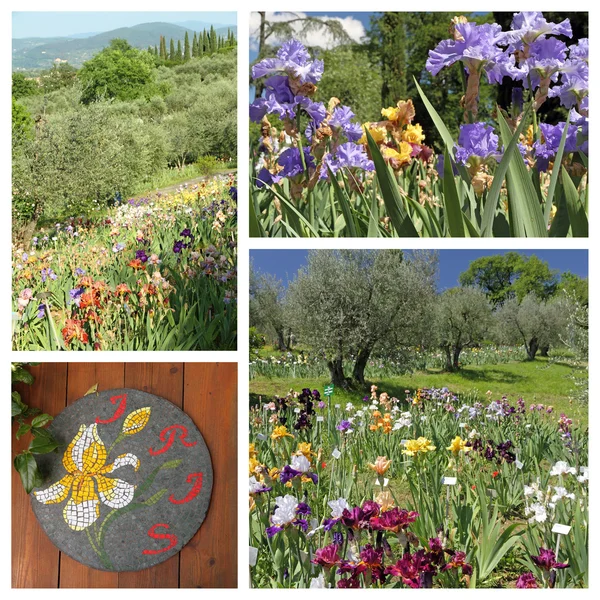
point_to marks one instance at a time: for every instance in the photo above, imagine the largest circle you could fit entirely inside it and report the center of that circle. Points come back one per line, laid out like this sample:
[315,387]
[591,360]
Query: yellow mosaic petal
[57,492]
[94,456]
[83,490]
[136,421]
[68,459]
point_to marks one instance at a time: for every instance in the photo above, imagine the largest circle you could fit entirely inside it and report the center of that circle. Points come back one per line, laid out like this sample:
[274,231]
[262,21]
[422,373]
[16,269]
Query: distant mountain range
[41,53]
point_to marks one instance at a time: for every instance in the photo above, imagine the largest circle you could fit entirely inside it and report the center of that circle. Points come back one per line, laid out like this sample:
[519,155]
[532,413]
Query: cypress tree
[195,46]
[179,50]
[393,53]
[172,50]
[186,48]
[163,48]
[205,48]
[155,50]
[212,39]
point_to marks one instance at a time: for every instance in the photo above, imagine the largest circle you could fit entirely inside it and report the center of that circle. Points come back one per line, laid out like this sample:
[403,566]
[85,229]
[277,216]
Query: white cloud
[322,38]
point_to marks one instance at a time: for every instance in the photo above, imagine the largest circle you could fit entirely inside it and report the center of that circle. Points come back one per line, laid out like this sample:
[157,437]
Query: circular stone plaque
[130,483]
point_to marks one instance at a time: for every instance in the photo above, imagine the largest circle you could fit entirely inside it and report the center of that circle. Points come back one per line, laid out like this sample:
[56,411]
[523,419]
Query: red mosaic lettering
[122,400]
[161,536]
[168,435]
[196,480]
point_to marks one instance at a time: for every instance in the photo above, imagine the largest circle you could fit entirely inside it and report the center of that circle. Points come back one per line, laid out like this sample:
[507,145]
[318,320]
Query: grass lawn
[540,381]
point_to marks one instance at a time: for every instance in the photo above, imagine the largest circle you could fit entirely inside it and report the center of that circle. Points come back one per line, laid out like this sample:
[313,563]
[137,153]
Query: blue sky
[58,24]
[285,263]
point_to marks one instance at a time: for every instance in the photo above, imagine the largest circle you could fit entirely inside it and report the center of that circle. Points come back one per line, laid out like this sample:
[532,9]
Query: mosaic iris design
[142,464]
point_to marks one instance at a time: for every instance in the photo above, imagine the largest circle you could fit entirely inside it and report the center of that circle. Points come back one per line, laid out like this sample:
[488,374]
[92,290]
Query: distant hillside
[40,53]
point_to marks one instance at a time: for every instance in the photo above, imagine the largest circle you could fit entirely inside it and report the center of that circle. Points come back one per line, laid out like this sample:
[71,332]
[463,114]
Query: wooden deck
[208,394]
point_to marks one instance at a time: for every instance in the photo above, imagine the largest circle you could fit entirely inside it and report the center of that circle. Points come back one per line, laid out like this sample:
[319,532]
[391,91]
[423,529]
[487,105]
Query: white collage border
[244,245]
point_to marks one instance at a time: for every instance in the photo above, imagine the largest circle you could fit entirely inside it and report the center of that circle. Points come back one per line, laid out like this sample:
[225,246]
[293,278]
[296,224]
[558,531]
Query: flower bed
[154,274]
[422,491]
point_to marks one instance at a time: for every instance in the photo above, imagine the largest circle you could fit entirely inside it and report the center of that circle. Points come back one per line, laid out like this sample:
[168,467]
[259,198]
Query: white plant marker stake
[448,481]
[559,529]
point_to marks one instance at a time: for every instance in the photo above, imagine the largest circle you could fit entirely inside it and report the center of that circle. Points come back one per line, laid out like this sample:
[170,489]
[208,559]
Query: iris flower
[86,483]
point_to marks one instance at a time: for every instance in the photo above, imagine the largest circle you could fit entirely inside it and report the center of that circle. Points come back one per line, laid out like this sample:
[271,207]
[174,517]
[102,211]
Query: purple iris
[41,311]
[526,27]
[287,474]
[344,426]
[293,61]
[141,255]
[48,273]
[546,150]
[79,272]
[476,46]
[476,139]
[546,58]
[178,246]
[265,177]
[233,193]
[348,155]
[76,296]
[291,162]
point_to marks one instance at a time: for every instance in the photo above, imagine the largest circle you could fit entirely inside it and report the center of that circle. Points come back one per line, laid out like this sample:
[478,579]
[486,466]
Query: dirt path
[174,187]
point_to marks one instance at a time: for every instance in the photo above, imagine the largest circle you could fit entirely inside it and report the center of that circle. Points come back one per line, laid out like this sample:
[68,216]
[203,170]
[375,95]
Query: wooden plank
[165,380]
[35,560]
[80,378]
[210,399]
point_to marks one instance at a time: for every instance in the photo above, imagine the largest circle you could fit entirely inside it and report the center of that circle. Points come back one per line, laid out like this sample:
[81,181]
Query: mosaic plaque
[130,484]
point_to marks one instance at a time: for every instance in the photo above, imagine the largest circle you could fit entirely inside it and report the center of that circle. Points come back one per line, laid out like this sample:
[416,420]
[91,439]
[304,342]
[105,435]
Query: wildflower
[562,468]
[546,560]
[381,465]
[401,114]
[73,330]
[257,487]
[85,463]
[327,557]
[477,143]
[560,493]
[137,264]
[280,432]
[537,511]
[584,475]
[288,511]
[458,445]
[394,519]
[413,134]
[419,446]
[527,581]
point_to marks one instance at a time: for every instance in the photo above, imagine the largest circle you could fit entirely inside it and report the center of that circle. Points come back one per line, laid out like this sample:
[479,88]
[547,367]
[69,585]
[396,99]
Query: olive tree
[536,323]
[350,304]
[266,307]
[462,319]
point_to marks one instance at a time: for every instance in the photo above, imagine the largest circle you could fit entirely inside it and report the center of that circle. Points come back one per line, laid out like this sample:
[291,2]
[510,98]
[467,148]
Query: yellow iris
[419,446]
[378,133]
[281,432]
[85,463]
[413,134]
[458,445]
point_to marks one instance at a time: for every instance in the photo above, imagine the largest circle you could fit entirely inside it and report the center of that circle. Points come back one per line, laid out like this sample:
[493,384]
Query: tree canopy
[511,275]
[118,71]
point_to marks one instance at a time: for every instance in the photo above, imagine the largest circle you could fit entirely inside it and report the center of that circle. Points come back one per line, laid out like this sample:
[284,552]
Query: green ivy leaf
[17,405]
[23,429]
[42,445]
[28,471]
[20,375]
[41,420]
